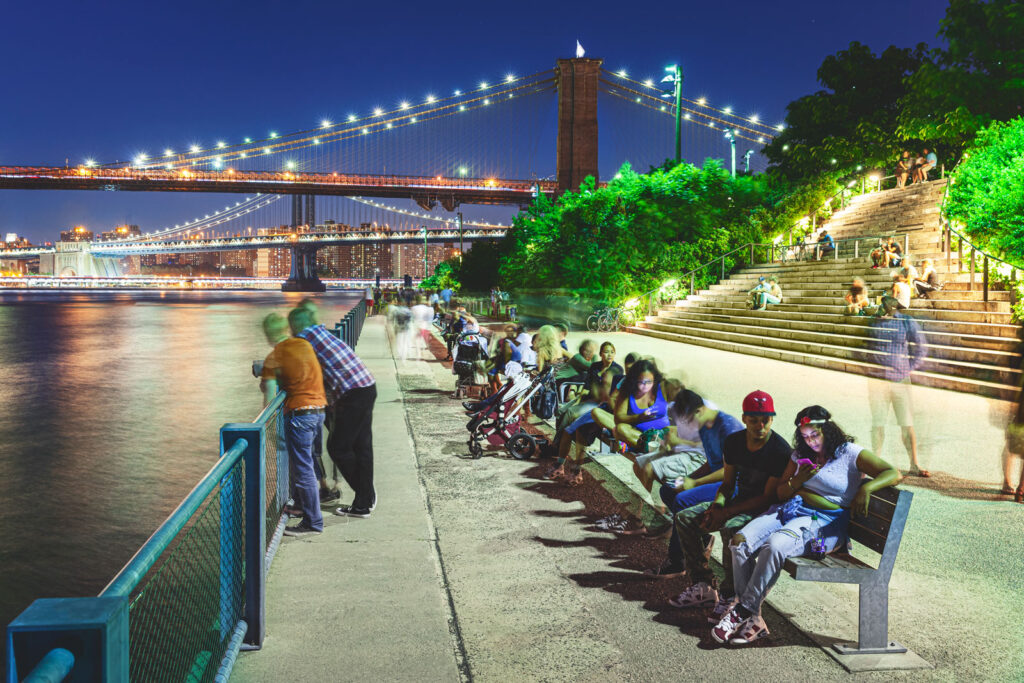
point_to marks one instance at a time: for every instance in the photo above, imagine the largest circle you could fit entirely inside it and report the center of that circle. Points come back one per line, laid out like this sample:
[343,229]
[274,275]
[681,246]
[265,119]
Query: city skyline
[133,98]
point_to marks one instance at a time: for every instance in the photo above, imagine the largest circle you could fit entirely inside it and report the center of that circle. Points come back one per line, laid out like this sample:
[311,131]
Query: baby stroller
[496,419]
[470,348]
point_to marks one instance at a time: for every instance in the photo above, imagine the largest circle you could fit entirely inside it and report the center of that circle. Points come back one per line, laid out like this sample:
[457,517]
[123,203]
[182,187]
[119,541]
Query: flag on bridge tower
[579,50]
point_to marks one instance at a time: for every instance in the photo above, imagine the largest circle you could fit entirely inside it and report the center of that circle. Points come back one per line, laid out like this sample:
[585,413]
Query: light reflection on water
[110,405]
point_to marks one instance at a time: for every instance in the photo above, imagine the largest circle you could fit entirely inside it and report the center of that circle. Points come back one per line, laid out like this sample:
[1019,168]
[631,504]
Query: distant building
[79,233]
[121,232]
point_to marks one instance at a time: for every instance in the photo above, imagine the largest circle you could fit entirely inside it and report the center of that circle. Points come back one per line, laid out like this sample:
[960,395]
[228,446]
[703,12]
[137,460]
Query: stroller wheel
[521,445]
[475,449]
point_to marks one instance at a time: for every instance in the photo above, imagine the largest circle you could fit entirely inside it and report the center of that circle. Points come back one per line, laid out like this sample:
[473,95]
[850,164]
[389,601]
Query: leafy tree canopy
[987,194]
[624,239]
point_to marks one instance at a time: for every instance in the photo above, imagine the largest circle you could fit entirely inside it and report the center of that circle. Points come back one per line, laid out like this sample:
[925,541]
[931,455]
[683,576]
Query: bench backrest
[882,529]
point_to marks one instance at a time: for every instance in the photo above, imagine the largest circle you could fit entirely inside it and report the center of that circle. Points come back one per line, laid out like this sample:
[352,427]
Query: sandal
[1007,490]
[556,473]
[576,477]
[1018,497]
[924,474]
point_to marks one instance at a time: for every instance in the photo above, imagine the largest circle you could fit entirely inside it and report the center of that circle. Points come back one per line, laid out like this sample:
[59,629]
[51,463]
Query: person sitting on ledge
[826,245]
[642,406]
[857,300]
[772,294]
[903,169]
[822,485]
[927,281]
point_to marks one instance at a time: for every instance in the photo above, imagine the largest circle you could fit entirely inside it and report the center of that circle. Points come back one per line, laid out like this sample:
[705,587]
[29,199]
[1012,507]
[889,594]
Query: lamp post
[459,218]
[425,273]
[746,160]
[675,76]
[730,135]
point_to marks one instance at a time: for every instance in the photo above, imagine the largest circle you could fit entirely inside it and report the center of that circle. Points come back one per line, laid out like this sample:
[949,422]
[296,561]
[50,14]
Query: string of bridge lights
[229,213]
[424,216]
[406,112]
[753,119]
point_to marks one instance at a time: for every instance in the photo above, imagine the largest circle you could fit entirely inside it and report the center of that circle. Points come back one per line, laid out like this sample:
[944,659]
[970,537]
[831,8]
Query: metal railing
[194,594]
[948,231]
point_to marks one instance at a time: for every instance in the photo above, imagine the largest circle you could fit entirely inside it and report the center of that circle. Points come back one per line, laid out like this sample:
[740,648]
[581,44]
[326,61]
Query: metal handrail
[146,556]
[949,231]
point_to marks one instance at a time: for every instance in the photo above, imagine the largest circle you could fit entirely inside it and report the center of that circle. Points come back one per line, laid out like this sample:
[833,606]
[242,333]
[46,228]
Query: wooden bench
[882,531]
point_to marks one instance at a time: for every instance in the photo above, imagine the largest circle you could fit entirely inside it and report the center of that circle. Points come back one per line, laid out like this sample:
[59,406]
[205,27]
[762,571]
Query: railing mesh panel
[183,613]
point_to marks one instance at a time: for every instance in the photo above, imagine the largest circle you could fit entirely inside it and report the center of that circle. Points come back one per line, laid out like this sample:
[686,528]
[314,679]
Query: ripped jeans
[784,531]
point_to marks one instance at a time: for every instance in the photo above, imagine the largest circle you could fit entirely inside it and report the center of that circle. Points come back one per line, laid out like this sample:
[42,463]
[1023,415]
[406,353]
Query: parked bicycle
[611,319]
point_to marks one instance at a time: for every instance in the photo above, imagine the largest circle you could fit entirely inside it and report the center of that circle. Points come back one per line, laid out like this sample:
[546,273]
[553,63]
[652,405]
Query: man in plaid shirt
[901,349]
[351,393]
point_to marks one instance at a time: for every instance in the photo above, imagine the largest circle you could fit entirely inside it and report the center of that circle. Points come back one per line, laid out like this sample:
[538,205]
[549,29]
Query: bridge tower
[303,277]
[577,82]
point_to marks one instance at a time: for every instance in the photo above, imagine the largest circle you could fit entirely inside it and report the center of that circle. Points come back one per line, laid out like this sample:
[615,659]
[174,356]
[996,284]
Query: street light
[675,76]
[746,160]
[730,135]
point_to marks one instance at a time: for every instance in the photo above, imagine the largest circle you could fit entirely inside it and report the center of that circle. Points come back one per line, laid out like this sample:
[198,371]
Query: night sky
[106,80]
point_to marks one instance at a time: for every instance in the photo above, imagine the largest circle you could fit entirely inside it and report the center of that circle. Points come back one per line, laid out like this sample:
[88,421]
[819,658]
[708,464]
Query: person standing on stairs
[901,350]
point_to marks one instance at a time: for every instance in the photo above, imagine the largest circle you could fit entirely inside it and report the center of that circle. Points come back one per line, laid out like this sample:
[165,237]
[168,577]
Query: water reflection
[110,404]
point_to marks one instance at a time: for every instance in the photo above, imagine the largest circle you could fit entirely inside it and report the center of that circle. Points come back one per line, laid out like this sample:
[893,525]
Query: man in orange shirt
[293,366]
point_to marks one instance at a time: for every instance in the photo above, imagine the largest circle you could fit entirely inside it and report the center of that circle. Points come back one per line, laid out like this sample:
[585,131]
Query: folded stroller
[497,418]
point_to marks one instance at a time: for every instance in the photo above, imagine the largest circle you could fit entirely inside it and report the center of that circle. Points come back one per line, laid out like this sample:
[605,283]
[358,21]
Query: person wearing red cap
[754,460]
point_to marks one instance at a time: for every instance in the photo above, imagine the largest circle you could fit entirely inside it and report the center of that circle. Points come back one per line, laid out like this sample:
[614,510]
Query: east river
[110,406]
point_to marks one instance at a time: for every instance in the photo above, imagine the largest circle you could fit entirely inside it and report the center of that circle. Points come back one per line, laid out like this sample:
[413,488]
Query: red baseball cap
[758,403]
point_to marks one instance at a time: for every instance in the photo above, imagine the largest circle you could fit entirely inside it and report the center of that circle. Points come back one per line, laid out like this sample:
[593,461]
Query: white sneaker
[722,607]
[728,625]
[697,595]
[750,630]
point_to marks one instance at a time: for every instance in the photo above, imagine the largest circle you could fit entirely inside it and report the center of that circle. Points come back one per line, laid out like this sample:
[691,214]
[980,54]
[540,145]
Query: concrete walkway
[365,600]
[531,590]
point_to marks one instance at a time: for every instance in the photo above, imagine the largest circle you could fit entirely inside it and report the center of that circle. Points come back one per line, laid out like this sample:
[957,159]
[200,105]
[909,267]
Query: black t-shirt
[595,372]
[753,469]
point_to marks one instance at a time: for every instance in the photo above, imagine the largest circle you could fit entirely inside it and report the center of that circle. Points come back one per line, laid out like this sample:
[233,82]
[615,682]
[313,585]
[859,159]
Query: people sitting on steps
[858,299]
[926,162]
[927,281]
[893,253]
[900,289]
[769,294]
[826,246]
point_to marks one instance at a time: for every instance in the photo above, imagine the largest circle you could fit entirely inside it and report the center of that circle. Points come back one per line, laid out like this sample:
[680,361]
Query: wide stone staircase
[973,345]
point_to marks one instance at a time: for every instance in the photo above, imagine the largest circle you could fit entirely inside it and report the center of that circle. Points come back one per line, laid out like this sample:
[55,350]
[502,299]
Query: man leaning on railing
[352,393]
[293,365]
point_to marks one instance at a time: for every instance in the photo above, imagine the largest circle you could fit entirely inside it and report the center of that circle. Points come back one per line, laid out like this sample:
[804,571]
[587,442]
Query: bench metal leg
[873,636]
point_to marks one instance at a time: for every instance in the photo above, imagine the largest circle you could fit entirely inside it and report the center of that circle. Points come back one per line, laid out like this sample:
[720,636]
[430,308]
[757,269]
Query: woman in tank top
[641,407]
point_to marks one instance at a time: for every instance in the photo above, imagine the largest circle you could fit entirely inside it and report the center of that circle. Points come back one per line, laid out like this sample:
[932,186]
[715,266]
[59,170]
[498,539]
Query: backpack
[544,402]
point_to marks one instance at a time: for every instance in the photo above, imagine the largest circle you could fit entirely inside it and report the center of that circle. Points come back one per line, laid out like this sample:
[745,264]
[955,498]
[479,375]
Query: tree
[853,121]
[987,194]
[977,79]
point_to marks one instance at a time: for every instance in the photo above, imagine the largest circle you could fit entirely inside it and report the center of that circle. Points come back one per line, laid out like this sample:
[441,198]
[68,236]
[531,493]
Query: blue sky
[106,79]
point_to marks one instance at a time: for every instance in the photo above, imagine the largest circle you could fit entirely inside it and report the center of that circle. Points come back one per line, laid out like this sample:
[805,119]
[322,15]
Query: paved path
[537,593]
[363,601]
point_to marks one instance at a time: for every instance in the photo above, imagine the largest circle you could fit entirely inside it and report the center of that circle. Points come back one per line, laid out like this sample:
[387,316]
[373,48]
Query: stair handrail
[947,240]
[649,295]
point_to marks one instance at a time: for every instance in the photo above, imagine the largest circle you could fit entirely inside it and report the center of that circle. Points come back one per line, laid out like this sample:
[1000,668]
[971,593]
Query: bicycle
[611,319]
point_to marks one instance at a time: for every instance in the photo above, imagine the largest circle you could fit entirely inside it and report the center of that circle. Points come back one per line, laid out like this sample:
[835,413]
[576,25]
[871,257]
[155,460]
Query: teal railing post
[255,526]
[93,630]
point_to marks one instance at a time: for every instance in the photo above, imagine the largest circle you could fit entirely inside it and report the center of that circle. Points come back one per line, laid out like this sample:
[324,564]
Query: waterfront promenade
[530,590]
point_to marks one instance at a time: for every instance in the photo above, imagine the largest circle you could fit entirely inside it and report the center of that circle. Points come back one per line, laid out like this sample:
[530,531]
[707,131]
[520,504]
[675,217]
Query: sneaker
[349,511]
[667,570]
[750,630]
[301,529]
[722,607]
[697,595]
[374,505]
[727,626]
[329,496]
